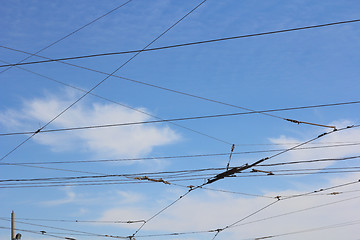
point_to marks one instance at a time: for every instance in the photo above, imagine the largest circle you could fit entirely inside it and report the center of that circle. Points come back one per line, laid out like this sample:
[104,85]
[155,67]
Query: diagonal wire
[68,35]
[279,198]
[189,44]
[65,229]
[123,105]
[99,83]
[234,170]
[183,93]
[255,221]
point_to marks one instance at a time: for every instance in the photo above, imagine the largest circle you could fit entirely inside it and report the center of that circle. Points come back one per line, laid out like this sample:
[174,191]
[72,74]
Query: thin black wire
[65,229]
[157,175]
[239,169]
[343,224]
[161,211]
[187,44]
[251,175]
[309,161]
[112,175]
[295,174]
[186,94]
[204,155]
[35,232]
[68,35]
[124,181]
[102,81]
[255,221]
[173,120]
[121,104]
[297,211]
[79,221]
[279,198]
[50,168]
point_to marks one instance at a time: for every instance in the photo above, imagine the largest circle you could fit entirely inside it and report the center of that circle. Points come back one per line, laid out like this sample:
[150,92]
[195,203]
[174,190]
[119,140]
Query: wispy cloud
[129,141]
[350,136]
[209,211]
[70,197]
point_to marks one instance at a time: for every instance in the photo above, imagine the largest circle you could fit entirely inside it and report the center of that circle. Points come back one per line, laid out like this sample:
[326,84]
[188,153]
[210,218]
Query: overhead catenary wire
[102,81]
[123,105]
[187,94]
[77,221]
[126,181]
[173,120]
[189,44]
[254,221]
[235,170]
[66,229]
[297,211]
[168,174]
[37,232]
[73,32]
[279,198]
[203,156]
[343,224]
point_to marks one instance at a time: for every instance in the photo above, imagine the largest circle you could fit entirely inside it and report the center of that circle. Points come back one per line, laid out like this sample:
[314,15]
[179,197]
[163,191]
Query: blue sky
[309,67]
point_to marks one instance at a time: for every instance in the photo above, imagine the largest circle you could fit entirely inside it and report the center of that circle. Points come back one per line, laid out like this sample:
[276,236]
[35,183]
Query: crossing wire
[175,120]
[343,224]
[235,170]
[188,44]
[68,35]
[251,222]
[205,155]
[281,199]
[37,232]
[155,175]
[102,81]
[65,229]
[123,105]
[186,94]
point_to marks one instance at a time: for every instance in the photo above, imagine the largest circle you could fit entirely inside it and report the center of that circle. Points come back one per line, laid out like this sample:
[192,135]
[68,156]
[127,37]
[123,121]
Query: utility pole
[12,225]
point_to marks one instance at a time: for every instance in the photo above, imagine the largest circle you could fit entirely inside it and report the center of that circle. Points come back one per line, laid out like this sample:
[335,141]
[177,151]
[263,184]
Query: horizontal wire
[297,211]
[185,173]
[182,93]
[200,156]
[122,104]
[239,169]
[78,221]
[343,224]
[68,35]
[65,229]
[174,119]
[246,223]
[172,179]
[187,44]
[35,232]
[123,181]
[100,82]
[279,198]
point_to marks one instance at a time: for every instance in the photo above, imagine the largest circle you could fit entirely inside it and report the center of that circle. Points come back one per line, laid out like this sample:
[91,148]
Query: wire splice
[152,180]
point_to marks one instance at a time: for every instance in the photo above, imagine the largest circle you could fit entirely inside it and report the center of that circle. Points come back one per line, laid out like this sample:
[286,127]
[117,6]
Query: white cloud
[203,210]
[70,197]
[126,141]
[209,210]
[346,136]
